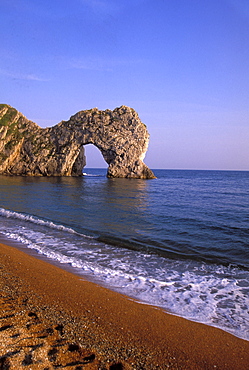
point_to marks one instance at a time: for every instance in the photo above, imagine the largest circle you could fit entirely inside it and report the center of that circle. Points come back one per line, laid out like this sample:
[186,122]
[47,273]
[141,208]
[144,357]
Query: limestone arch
[120,136]
[30,150]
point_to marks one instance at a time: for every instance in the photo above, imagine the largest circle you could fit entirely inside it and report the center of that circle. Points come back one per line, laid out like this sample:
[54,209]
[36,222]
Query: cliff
[29,150]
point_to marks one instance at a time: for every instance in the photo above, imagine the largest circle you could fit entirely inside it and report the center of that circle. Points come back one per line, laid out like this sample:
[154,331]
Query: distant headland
[29,150]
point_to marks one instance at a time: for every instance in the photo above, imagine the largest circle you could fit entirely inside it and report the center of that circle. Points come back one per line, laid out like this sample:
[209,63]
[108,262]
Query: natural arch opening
[94,157]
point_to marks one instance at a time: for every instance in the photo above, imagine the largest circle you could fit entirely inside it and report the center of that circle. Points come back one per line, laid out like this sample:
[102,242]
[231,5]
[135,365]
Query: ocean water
[180,242]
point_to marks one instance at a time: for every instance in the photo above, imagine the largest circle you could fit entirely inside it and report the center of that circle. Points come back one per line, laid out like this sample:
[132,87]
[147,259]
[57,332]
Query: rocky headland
[29,150]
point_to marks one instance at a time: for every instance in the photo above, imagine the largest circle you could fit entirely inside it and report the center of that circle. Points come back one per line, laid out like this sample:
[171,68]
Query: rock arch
[120,136]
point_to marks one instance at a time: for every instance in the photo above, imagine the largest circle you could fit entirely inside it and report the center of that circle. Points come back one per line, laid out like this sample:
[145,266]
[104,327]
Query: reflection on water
[74,201]
[121,199]
[179,242]
[194,214]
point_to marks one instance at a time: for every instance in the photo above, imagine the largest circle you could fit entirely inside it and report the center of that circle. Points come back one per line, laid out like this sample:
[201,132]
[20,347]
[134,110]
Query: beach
[51,318]
[179,243]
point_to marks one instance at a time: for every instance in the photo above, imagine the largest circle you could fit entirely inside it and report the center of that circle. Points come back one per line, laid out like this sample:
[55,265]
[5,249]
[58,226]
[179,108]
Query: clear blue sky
[183,65]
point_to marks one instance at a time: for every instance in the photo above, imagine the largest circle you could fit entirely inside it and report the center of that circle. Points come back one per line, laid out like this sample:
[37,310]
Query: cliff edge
[29,150]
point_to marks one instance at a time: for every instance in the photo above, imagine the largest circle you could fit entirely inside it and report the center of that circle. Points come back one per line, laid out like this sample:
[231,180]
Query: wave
[166,248]
[39,221]
[213,294]
[91,174]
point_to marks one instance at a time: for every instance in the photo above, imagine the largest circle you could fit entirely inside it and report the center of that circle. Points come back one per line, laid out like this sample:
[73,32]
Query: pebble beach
[51,318]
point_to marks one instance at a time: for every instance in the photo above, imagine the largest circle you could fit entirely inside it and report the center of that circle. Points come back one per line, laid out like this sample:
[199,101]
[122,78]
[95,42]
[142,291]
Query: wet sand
[52,319]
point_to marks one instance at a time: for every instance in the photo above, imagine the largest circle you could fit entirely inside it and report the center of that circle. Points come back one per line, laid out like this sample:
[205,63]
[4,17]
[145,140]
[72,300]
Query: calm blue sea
[180,241]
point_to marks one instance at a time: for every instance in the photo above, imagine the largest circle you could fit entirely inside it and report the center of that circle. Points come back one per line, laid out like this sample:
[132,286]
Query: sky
[183,65]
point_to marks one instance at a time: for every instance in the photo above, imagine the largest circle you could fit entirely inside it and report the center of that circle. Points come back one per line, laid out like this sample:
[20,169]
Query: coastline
[53,318]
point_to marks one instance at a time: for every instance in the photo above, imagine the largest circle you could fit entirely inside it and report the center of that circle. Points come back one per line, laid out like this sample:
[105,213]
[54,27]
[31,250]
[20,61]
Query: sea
[179,242]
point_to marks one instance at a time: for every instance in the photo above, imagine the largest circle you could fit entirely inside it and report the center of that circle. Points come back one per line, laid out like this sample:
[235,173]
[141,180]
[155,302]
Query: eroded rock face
[29,150]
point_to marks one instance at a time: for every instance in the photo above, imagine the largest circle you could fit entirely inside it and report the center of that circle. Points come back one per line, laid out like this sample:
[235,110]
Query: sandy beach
[51,318]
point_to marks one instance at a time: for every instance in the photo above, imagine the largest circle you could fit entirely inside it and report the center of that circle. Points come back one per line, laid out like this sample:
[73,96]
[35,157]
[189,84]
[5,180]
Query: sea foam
[213,294]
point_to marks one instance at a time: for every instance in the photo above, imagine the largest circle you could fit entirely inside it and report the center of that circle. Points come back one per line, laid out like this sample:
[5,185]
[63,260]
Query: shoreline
[77,271]
[51,317]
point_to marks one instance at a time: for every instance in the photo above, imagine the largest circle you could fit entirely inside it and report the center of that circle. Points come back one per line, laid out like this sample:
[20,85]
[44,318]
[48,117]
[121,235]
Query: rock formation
[29,150]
